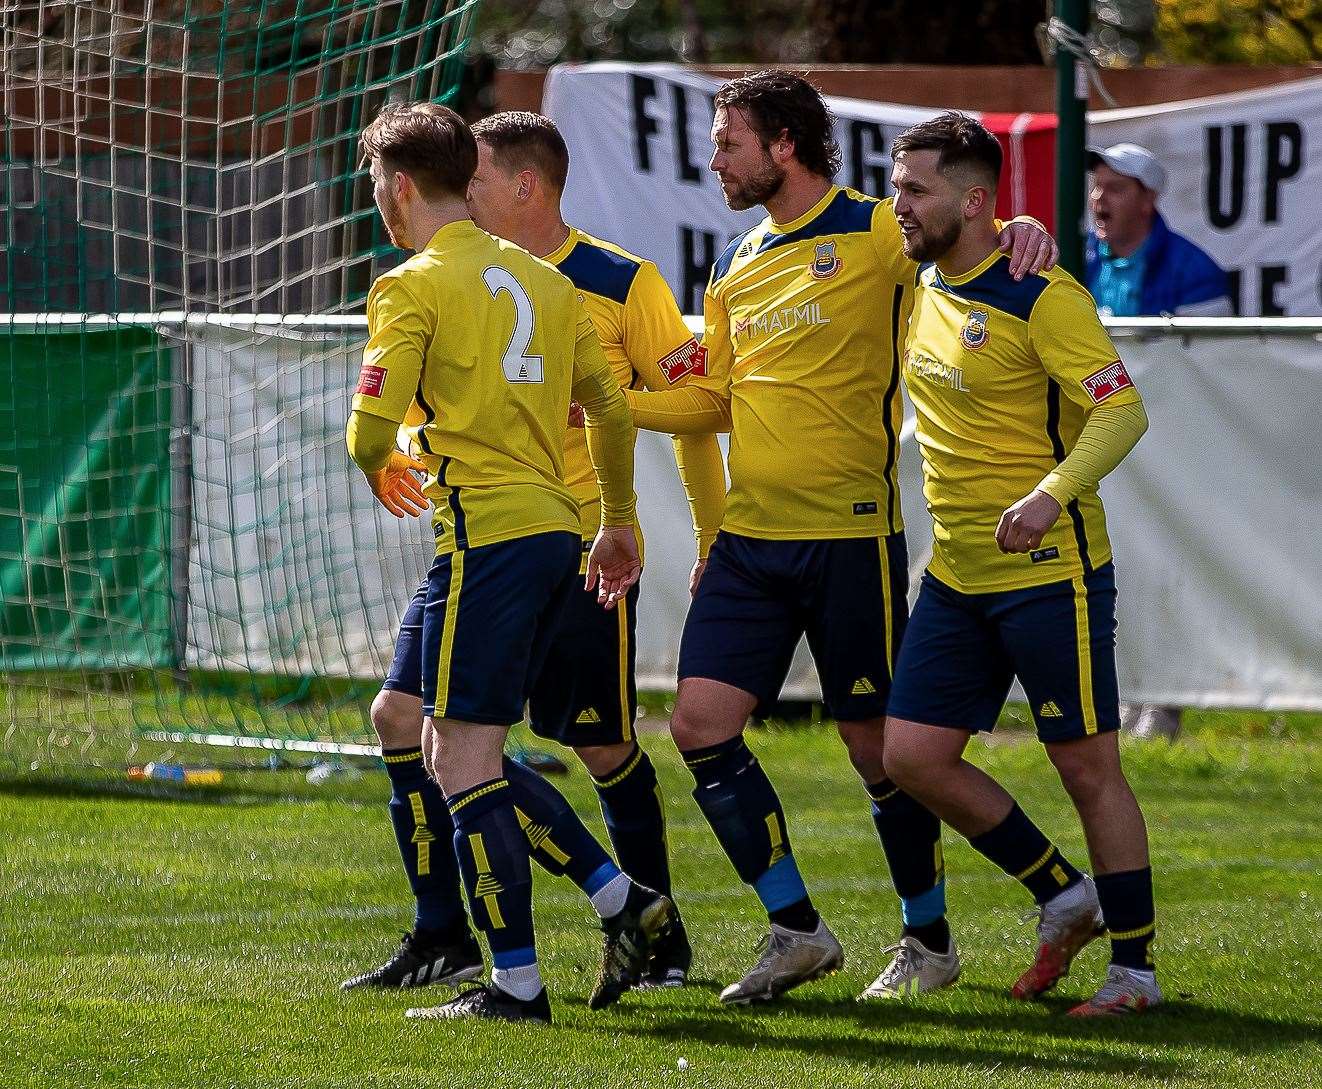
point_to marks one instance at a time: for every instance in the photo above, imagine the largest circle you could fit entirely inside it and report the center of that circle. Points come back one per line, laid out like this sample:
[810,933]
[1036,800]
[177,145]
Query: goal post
[183,549]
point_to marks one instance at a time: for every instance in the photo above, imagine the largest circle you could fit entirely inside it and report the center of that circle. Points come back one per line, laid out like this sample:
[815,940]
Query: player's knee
[397,719]
[866,745]
[601,760]
[694,728]
[1083,781]
[903,762]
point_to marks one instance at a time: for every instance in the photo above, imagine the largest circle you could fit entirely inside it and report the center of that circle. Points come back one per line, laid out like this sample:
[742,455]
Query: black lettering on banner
[1218,215]
[644,125]
[1270,277]
[679,100]
[1234,283]
[1285,158]
[697,253]
[867,158]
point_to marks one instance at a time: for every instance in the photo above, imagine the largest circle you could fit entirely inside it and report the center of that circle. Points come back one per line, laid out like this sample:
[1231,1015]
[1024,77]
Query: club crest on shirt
[825,263]
[974,333]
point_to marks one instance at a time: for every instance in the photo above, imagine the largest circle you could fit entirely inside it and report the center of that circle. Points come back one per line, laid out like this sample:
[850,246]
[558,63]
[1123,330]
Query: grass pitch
[197,936]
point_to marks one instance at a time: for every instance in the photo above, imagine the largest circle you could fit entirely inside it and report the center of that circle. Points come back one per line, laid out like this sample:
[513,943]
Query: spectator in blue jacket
[1136,264]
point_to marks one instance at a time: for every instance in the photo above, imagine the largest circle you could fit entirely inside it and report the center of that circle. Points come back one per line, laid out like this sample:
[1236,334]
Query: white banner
[1214,518]
[1244,170]
[1244,176]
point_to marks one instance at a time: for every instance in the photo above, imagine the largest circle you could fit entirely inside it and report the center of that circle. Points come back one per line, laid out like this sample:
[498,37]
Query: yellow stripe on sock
[1081,635]
[447,632]
[402,757]
[495,784]
[1125,935]
[629,765]
[777,839]
[1036,865]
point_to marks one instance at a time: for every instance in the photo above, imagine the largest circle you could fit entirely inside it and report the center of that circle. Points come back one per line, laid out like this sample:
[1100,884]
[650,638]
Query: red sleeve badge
[371,380]
[1110,380]
[690,358]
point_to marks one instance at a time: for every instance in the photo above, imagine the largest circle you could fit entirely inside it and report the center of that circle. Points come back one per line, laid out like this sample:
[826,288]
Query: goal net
[184,553]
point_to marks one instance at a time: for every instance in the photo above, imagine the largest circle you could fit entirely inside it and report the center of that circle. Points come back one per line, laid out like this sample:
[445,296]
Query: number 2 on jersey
[517,364]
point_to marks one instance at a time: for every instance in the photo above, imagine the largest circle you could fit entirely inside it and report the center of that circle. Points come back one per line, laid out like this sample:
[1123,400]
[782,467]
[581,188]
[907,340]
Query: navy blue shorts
[586,693]
[757,597]
[488,615]
[962,652]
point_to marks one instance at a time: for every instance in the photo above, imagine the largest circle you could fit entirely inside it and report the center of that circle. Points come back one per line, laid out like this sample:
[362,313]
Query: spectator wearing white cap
[1136,264]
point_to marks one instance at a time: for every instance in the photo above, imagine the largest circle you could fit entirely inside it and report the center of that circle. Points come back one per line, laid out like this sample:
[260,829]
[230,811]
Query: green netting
[182,547]
[202,155]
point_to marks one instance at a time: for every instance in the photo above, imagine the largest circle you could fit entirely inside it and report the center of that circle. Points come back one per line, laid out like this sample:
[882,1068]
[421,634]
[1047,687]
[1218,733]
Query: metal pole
[1071,131]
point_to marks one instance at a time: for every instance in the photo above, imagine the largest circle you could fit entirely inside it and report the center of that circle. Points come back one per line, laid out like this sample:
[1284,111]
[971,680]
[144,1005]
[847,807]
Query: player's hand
[397,488]
[1025,524]
[695,577]
[1030,248]
[613,564]
[577,417]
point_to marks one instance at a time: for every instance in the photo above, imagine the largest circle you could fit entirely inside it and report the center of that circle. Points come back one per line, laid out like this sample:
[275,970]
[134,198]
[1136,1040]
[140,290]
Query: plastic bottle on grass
[175,773]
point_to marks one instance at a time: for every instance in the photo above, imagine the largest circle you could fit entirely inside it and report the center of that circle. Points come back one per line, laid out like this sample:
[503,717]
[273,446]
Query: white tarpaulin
[1245,170]
[1216,520]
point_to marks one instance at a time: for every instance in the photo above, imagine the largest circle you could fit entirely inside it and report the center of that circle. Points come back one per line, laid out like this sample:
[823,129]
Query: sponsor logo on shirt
[825,263]
[869,507]
[775,321]
[1041,555]
[943,374]
[745,249]
[1110,380]
[371,380]
[690,358]
[974,334]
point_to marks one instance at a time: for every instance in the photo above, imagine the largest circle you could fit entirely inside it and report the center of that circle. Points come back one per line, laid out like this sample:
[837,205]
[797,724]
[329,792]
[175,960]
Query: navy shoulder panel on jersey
[997,288]
[726,259]
[844,215]
[600,271]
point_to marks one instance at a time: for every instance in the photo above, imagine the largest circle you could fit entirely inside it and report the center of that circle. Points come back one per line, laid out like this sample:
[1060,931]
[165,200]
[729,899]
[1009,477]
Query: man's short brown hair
[430,143]
[961,142]
[520,140]
[774,101]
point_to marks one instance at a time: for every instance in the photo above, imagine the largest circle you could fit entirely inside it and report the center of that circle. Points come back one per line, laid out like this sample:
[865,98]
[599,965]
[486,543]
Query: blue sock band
[781,885]
[926,908]
[600,877]
[514,958]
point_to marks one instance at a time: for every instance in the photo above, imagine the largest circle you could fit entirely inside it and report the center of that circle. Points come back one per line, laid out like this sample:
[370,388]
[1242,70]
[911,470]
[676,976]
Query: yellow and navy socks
[561,843]
[492,851]
[911,839]
[1018,847]
[635,820]
[743,810]
[426,843]
[1130,916]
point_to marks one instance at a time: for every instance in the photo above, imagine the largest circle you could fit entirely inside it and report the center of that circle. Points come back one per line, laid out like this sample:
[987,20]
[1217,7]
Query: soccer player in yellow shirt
[804,316]
[1023,406]
[585,695]
[491,344]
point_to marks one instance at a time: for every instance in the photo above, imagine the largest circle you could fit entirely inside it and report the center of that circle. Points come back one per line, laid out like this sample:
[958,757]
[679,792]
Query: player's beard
[758,189]
[933,241]
[393,218]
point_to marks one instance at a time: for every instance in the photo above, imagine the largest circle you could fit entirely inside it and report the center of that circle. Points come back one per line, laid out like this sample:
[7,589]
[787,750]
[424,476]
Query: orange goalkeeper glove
[397,488]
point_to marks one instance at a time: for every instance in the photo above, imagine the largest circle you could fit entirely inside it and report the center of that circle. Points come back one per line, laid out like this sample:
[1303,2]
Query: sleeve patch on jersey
[371,380]
[690,358]
[1111,379]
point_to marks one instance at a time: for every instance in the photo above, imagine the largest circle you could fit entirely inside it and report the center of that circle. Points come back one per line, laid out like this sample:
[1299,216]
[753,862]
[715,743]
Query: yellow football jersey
[1003,376]
[486,343]
[804,322]
[648,347]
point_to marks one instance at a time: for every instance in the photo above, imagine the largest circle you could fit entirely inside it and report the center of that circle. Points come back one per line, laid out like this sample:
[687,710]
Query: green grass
[196,937]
